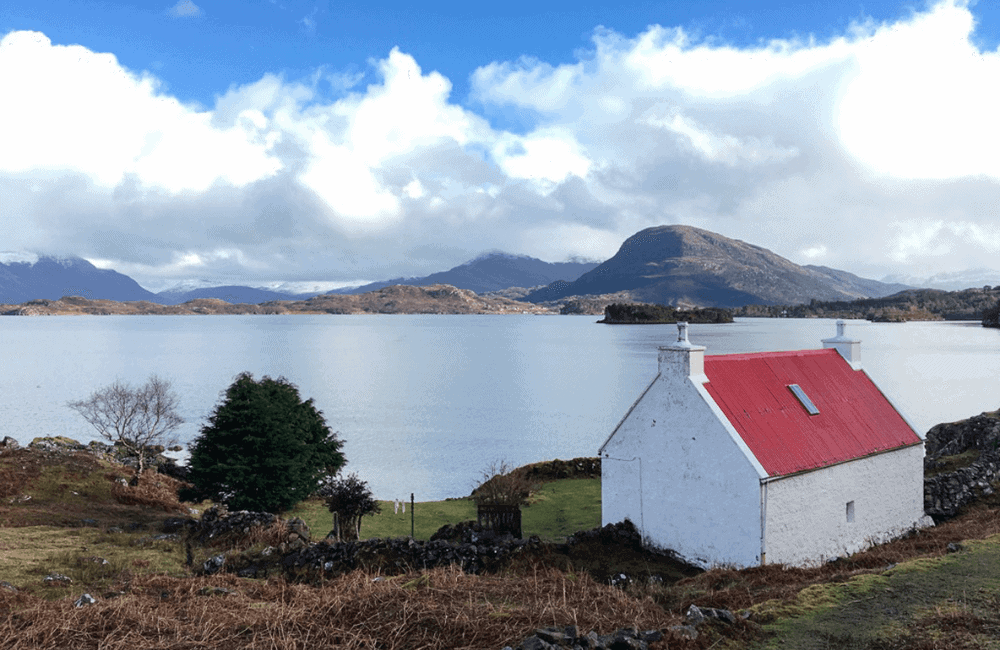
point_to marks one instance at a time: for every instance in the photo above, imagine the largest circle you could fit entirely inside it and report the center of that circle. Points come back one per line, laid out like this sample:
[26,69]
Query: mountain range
[686,266]
[676,265]
[494,271]
[52,278]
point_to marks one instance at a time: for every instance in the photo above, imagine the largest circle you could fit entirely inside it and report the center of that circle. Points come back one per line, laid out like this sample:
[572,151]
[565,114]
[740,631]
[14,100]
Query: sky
[310,145]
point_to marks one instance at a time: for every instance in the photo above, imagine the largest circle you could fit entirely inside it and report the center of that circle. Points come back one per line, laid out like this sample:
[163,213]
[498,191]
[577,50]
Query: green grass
[29,554]
[923,598]
[561,508]
[558,509]
[428,517]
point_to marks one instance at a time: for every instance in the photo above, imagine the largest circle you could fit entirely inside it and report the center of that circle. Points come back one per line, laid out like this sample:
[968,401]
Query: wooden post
[412,519]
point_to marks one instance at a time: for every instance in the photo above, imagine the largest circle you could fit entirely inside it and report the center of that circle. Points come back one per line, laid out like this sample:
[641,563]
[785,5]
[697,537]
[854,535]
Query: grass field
[949,601]
[557,509]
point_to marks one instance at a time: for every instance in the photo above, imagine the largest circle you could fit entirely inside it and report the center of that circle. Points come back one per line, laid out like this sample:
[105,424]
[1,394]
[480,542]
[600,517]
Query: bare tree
[134,417]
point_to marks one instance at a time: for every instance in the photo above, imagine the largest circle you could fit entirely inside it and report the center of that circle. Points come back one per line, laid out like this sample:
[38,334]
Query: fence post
[412,519]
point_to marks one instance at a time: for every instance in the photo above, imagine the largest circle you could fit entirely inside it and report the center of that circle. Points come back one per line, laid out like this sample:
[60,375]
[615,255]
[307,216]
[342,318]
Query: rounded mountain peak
[674,241]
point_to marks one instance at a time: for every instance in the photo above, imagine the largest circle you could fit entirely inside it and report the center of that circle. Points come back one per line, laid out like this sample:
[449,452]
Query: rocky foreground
[397,299]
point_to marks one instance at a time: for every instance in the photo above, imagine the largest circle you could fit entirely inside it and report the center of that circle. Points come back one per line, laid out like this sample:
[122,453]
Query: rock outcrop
[155,459]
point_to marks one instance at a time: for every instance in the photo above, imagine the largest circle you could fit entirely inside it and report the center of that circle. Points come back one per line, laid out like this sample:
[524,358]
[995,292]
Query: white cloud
[814,252]
[872,151]
[924,100]
[414,189]
[185,9]
[936,238]
[722,148]
[529,82]
[548,156]
[309,22]
[93,116]
[350,189]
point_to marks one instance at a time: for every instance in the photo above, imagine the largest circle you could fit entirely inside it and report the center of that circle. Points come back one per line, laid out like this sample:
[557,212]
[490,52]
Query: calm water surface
[425,403]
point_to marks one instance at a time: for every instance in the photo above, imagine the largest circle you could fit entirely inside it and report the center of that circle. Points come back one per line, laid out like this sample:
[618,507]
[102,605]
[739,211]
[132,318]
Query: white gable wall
[807,514]
[675,471]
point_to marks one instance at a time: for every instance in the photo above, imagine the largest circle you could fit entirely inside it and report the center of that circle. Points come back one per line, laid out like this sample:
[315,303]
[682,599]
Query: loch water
[426,403]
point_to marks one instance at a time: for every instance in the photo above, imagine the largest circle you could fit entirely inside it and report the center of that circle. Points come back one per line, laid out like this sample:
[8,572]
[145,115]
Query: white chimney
[848,347]
[682,359]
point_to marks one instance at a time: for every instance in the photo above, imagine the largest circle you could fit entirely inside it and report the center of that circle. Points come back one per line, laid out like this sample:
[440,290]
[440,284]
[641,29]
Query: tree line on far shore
[982,304]
[913,304]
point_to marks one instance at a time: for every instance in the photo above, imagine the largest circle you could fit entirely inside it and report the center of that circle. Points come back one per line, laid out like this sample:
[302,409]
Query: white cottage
[780,457]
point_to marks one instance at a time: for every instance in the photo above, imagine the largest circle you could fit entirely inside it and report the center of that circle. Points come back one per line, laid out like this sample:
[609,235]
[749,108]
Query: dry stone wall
[946,493]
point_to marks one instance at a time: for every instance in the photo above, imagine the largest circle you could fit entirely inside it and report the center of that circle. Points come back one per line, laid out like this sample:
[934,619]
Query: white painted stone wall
[807,513]
[674,469]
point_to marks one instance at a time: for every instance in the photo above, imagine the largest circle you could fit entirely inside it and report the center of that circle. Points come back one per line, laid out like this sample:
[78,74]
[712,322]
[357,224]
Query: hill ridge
[686,266]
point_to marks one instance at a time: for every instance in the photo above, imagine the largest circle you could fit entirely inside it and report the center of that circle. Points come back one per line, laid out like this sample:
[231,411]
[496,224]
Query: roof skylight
[807,403]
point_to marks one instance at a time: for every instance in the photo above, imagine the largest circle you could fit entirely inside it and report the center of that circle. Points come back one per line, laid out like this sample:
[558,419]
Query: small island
[649,314]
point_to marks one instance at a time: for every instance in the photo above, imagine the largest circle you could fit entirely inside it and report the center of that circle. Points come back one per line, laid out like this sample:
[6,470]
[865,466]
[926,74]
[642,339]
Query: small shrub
[502,486]
[349,499]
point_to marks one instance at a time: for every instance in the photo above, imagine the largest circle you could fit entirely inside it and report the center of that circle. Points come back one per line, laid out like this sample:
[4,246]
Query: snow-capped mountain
[25,277]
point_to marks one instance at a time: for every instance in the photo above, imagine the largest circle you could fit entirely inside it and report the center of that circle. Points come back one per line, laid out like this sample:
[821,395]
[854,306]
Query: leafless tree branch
[134,417]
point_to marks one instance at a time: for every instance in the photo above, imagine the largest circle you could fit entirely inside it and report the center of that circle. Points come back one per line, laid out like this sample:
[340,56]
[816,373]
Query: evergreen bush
[263,448]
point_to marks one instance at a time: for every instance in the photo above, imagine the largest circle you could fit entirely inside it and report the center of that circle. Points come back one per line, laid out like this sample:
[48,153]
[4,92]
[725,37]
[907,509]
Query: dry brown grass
[45,488]
[443,608]
[153,491]
[19,470]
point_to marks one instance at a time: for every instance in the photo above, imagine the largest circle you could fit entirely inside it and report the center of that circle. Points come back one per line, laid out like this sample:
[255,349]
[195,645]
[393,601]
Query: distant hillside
[686,266]
[862,286]
[231,294]
[490,272]
[912,304]
[54,277]
[399,299]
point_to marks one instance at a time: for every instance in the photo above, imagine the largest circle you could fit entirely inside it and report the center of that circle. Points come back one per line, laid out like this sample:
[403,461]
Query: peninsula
[397,299]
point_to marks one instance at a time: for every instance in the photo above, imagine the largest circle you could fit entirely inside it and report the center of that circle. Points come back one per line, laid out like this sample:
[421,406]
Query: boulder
[54,579]
[85,599]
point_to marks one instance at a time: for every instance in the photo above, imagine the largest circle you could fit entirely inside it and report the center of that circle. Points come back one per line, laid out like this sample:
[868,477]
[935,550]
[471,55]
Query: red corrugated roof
[854,418]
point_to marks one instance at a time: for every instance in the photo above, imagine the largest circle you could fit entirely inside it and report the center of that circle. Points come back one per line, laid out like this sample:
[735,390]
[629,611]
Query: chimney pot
[849,348]
[682,359]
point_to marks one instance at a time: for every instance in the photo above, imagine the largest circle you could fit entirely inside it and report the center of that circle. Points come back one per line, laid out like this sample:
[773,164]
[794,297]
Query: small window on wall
[850,512]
